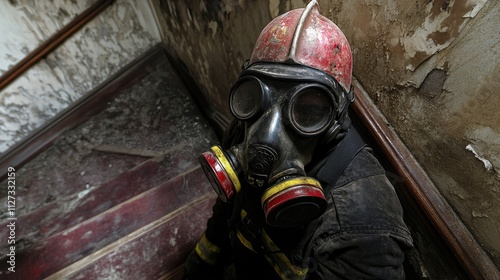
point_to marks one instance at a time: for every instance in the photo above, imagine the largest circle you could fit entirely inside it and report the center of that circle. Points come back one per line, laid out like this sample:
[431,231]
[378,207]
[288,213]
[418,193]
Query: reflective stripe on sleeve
[244,241]
[280,262]
[207,251]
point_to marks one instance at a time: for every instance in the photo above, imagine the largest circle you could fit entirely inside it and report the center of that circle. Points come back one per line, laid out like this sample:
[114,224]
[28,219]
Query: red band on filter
[223,182]
[291,194]
[294,202]
[227,167]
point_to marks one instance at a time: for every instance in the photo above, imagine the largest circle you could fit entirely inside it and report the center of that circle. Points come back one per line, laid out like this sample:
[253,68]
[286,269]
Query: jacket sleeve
[212,252]
[362,235]
[360,256]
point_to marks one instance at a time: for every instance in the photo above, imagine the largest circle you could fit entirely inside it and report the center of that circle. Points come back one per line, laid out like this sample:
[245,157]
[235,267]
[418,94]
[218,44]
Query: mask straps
[340,158]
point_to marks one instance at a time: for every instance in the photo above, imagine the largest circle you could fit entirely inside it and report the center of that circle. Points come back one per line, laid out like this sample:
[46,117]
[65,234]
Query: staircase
[119,196]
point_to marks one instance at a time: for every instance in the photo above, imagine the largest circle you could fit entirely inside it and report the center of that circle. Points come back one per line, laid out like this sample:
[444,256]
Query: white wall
[119,34]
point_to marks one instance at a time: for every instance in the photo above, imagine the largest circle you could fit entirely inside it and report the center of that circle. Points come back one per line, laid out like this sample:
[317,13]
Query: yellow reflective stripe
[288,184]
[277,268]
[243,214]
[280,262]
[244,241]
[227,167]
[207,251]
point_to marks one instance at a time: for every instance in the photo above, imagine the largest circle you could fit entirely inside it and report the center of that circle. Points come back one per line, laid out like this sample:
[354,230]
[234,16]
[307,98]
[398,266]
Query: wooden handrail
[423,191]
[53,42]
[79,111]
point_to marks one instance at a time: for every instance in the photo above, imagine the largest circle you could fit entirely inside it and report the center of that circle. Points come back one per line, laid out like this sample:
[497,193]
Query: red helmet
[304,36]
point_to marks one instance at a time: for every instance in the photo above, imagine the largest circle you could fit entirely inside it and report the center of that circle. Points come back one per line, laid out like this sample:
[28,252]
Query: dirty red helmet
[304,36]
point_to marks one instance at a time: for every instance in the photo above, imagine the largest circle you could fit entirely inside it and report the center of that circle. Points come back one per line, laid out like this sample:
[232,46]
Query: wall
[118,35]
[430,66]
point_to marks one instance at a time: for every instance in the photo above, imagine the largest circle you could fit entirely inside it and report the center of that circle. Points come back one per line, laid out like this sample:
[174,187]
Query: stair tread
[99,231]
[149,253]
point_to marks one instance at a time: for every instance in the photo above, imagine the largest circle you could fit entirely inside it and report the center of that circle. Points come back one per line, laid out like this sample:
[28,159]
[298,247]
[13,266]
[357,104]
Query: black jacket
[361,235]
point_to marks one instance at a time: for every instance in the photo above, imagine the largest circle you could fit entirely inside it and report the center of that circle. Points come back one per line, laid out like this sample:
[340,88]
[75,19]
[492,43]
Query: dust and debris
[173,241]
[109,273]
[67,243]
[87,234]
[144,121]
[173,238]
[85,192]
[79,65]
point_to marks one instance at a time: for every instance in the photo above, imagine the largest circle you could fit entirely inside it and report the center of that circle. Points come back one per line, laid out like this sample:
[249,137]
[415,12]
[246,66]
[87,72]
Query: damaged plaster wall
[430,66]
[119,34]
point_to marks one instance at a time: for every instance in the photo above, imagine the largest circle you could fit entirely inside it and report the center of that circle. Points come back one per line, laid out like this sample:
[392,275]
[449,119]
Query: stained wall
[432,68]
[121,33]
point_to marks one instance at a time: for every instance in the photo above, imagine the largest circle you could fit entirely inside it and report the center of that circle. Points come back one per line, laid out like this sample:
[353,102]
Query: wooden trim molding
[53,42]
[423,191]
[80,111]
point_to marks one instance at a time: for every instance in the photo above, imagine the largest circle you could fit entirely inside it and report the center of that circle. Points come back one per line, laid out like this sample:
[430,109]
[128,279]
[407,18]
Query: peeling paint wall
[118,35]
[433,71]
[432,67]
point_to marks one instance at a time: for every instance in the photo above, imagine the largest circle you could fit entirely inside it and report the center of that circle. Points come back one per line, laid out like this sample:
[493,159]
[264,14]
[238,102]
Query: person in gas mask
[300,194]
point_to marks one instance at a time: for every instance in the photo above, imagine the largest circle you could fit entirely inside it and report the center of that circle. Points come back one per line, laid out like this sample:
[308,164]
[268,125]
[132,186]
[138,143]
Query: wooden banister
[53,42]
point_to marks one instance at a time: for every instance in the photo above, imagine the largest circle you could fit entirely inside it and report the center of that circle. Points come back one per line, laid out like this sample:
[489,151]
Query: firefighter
[300,195]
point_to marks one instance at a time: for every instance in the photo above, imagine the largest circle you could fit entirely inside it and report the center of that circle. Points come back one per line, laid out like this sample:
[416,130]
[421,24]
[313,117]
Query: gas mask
[292,97]
[286,119]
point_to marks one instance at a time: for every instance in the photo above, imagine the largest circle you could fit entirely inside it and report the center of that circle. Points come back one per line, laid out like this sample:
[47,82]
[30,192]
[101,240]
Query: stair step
[62,214]
[156,250]
[91,235]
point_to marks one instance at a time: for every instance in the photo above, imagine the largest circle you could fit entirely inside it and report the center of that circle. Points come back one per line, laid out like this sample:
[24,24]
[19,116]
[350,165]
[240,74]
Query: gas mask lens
[247,98]
[311,110]
[308,109]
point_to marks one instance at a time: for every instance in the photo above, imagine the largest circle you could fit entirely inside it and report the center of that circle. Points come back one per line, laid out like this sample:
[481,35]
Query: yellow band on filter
[227,167]
[288,184]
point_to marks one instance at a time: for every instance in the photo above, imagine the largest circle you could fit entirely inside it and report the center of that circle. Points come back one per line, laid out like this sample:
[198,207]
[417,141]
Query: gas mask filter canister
[290,202]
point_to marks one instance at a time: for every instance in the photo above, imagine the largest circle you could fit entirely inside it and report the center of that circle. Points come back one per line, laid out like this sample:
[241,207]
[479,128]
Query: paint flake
[487,163]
